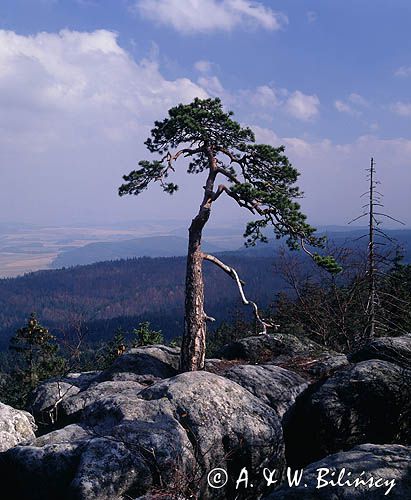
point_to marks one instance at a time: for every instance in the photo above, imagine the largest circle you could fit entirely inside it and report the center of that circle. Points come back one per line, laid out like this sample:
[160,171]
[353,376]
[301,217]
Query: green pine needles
[259,177]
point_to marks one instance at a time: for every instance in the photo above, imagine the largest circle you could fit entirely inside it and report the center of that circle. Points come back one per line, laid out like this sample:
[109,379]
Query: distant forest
[101,297]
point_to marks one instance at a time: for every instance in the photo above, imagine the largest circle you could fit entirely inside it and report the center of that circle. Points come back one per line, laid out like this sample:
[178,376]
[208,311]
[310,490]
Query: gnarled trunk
[194,337]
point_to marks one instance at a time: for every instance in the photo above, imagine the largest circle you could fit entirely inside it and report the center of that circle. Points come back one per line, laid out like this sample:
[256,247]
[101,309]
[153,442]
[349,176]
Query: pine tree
[258,177]
[36,357]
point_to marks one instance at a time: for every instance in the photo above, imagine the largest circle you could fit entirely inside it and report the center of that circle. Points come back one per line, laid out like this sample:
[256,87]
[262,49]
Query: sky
[82,81]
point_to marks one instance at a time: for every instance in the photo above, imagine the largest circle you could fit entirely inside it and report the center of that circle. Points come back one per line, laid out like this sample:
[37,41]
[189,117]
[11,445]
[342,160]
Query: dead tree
[376,260]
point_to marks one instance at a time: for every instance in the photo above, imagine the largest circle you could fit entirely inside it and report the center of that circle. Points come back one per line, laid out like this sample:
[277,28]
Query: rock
[394,349]
[16,426]
[167,436]
[144,364]
[73,405]
[366,403]
[325,365]
[227,426]
[81,380]
[45,400]
[386,462]
[272,385]
[44,470]
[266,348]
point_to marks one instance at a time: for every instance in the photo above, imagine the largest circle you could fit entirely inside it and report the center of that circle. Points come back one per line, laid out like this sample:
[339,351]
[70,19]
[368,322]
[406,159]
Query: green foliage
[36,358]
[259,177]
[144,335]
[328,263]
[112,350]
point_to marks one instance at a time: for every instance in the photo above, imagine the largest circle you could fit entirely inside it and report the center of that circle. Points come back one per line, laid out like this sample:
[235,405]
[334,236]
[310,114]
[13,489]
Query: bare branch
[233,274]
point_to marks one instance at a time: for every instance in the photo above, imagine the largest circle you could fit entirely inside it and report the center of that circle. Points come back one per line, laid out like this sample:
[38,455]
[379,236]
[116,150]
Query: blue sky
[83,80]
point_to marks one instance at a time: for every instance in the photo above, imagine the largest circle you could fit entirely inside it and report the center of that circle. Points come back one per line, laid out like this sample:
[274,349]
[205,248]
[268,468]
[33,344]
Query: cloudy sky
[81,82]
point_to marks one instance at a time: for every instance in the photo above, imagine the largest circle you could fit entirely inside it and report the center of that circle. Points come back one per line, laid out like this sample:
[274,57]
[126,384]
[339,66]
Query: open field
[28,248]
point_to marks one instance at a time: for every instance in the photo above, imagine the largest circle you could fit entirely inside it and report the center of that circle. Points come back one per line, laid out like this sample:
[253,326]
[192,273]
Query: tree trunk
[194,337]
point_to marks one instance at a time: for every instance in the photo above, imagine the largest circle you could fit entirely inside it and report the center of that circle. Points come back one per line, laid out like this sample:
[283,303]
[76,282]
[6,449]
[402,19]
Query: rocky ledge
[140,430]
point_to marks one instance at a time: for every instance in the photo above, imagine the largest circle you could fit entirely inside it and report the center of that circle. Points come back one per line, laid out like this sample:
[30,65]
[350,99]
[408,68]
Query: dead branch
[234,275]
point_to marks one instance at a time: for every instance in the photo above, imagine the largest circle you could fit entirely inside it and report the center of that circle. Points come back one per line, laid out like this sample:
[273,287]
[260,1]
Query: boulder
[73,405]
[268,347]
[16,426]
[225,423]
[366,403]
[273,385]
[390,464]
[394,349]
[166,437]
[145,365]
[81,380]
[325,365]
[44,469]
[45,400]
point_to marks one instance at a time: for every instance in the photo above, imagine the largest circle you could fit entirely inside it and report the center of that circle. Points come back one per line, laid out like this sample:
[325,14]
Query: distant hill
[175,246]
[152,246]
[341,237]
[122,293]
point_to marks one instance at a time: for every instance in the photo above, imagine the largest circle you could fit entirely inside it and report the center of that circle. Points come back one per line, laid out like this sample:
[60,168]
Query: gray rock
[394,349]
[273,385]
[266,348]
[226,424]
[81,380]
[73,405]
[366,403]
[16,426]
[146,365]
[325,365]
[387,462]
[168,436]
[44,400]
[44,470]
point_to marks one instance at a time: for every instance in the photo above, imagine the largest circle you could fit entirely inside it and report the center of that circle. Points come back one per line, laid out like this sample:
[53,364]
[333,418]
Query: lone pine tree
[258,177]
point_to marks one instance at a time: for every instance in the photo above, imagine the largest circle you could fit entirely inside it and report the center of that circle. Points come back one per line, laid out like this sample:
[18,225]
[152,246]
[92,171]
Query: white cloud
[403,71]
[203,66]
[352,104]
[358,100]
[333,175]
[401,108]
[343,107]
[75,110]
[302,106]
[212,85]
[265,97]
[205,16]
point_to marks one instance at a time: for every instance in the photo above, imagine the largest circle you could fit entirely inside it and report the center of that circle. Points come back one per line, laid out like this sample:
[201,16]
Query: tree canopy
[259,177]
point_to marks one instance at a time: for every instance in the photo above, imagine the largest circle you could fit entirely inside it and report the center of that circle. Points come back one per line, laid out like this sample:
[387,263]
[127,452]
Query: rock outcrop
[273,385]
[16,426]
[269,347]
[390,464]
[366,403]
[167,436]
[145,365]
[44,402]
[394,349]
